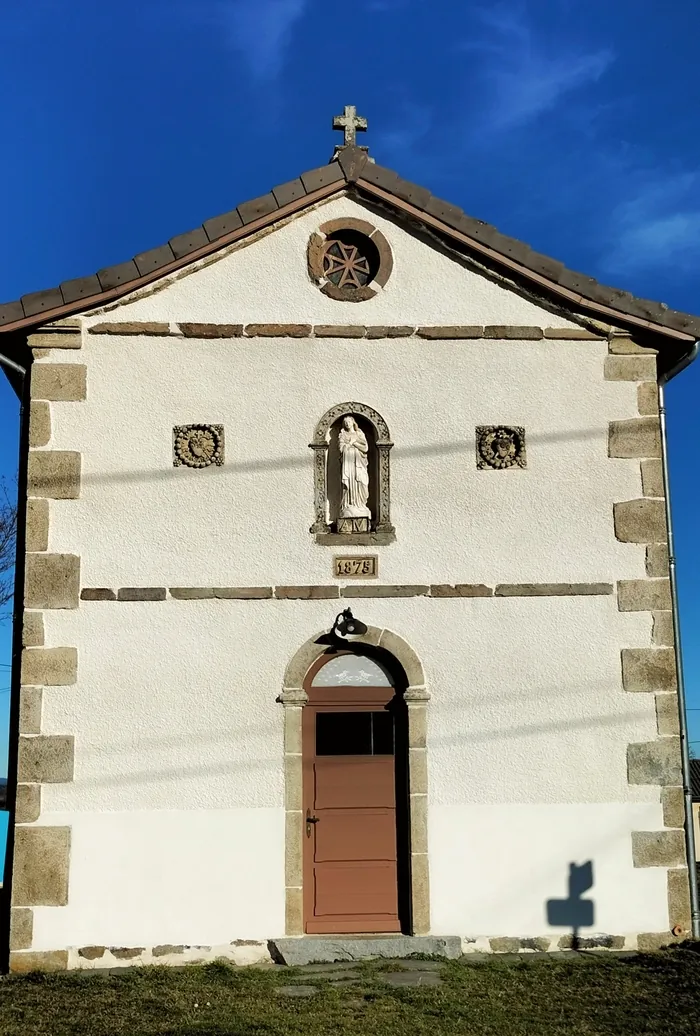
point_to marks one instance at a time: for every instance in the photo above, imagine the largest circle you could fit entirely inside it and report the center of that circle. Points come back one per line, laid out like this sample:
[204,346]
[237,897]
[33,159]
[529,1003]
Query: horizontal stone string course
[330,591]
[451,331]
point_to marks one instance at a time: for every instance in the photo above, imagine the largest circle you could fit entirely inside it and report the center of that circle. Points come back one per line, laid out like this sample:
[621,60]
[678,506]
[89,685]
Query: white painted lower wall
[177,803]
[493,868]
[192,877]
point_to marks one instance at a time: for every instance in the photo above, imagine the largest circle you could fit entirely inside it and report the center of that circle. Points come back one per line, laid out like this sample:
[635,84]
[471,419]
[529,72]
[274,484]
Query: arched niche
[327,472]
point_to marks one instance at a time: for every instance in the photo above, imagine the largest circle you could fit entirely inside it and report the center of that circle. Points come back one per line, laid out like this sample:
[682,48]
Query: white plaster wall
[178,778]
[494,868]
[175,711]
[247,522]
[180,876]
[267,280]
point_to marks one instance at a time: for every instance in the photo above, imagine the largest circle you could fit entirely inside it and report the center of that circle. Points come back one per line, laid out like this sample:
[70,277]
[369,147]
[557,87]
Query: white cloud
[260,31]
[658,226]
[525,74]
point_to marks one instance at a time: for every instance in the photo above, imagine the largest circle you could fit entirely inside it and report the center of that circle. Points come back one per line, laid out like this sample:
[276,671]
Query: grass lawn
[596,996]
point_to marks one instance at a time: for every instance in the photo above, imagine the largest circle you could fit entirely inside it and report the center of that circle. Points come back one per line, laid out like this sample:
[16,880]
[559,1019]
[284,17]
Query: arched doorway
[405,671]
[355,796]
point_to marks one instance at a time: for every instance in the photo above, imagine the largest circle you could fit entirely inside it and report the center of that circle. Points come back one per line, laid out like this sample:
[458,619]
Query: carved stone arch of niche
[416,696]
[319,445]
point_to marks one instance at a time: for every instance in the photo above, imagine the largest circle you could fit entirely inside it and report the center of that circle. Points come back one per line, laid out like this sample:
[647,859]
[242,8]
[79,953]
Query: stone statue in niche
[354,513]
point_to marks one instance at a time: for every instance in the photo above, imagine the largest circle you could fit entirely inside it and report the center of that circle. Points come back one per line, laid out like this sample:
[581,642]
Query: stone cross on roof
[350,122]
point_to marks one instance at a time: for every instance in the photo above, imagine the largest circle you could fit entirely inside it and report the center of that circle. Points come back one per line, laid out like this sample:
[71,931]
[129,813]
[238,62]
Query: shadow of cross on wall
[574,912]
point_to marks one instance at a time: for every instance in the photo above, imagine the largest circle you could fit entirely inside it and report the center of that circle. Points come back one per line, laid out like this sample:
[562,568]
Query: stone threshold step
[312,949]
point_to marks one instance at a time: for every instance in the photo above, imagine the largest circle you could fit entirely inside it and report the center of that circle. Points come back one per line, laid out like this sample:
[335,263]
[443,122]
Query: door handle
[309,821]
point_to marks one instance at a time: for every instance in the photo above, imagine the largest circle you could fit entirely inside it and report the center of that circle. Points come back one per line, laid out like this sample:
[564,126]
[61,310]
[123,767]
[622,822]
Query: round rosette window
[349,259]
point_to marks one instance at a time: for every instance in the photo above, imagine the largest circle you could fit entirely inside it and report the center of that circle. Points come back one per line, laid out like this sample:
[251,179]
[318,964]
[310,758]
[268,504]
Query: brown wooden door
[350,865]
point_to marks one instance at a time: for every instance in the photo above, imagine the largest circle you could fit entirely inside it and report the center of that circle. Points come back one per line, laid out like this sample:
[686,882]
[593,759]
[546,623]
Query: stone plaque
[359,566]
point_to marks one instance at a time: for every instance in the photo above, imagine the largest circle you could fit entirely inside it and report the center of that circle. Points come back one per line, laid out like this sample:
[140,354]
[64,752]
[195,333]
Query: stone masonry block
[28,803]
[679,898]
[654,762]
[624,345]
[52,581]
[657,560]
[32,629]
[652,478]
[630,368]
[672,804]
[39,424]
[46,759]
[658,848]
[42,856]
[306,593]
[61,340]
[21,928]
[37,525]
[52,667]
[649,669]
[648,397]
[65,382]
[662,631]
[640,521]
[38,960]
[54,474]
[30,710]
[643,595]
[667,722]
[637,437]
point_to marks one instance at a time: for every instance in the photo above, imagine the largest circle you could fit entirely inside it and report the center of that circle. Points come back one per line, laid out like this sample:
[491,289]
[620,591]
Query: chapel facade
[345,600]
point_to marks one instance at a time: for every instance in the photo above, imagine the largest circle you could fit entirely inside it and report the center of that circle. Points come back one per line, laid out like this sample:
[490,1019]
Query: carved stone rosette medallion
[500,446]
[198,445]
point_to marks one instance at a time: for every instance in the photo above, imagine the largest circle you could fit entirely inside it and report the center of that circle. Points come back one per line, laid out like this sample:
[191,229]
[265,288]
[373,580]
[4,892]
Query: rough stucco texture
[228,291]
[191,724]
[247,523]
[179,755]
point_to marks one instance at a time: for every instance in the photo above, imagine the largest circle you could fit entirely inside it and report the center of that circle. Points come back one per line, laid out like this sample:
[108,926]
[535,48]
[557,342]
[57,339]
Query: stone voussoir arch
[294,698]
[319,444]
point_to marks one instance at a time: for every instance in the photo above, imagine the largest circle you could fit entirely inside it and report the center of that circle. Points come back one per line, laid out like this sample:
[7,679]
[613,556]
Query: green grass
[597,996]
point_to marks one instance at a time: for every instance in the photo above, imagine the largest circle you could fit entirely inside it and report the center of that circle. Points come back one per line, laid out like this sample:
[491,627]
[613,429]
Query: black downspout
[15,680]
[682,717]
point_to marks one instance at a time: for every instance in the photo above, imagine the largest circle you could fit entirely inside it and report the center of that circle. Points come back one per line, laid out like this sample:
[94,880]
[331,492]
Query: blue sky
[571,124]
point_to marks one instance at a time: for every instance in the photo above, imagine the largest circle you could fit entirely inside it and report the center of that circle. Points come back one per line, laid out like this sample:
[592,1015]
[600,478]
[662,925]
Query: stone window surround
[316,248]
[293,699]
[384,530]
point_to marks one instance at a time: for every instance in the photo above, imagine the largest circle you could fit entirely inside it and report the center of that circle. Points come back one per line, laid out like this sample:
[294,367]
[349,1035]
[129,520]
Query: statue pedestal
[346,525]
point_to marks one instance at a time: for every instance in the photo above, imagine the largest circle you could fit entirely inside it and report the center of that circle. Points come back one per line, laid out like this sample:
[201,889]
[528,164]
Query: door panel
[364,889]
[350,851]
[346,782]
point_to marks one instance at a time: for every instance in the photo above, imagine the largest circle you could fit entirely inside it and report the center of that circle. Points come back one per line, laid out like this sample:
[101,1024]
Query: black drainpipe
[15,680]
[682,717]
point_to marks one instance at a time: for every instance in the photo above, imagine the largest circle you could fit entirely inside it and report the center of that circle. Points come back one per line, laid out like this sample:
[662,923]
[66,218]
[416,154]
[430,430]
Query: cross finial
[350,122]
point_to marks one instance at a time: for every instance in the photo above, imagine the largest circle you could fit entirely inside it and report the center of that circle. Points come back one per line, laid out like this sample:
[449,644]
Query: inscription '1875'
[357,567]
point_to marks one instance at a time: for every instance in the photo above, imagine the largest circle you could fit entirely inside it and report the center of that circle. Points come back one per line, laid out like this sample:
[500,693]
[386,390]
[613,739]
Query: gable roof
[353,171]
